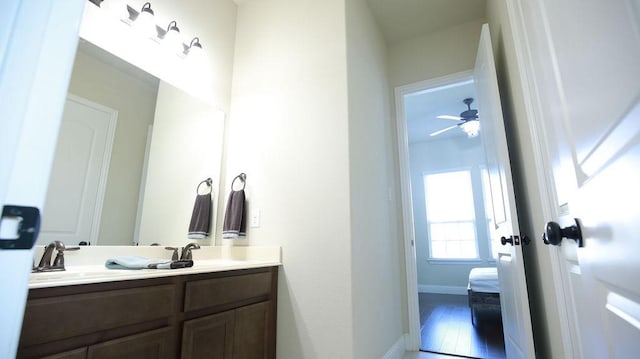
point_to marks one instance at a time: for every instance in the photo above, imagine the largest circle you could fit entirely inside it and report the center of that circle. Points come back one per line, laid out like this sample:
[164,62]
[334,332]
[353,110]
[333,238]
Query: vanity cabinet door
[154,344]
[243,333]
[209,337]
[72,354]
[254,338]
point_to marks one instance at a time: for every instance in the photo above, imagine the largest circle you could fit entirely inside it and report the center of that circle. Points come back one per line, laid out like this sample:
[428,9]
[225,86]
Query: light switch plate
[255,218]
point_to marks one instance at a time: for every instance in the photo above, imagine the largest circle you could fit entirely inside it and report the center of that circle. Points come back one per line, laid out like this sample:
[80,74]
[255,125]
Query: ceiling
[400,20]
[403,19]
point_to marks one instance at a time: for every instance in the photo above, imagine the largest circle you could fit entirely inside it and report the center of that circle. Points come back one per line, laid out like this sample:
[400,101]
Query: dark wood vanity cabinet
[222,315]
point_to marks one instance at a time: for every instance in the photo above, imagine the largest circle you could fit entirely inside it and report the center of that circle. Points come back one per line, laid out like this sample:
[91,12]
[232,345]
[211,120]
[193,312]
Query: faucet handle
[58,262]
[186,251]
[174,256]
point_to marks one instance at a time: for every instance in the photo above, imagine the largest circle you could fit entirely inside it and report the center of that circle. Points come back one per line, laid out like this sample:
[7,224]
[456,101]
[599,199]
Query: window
[450,215]
[494,242]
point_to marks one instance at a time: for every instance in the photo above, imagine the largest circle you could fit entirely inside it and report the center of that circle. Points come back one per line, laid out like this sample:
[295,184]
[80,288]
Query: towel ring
[243,178]
[208,182]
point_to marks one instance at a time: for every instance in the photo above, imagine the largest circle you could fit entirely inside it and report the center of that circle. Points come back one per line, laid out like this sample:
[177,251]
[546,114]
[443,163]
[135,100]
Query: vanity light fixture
[171,39]
[195,48]
[144,22]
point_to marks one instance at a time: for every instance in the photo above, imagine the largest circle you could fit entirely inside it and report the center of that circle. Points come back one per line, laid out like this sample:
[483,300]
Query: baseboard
[397,350]
[442,289]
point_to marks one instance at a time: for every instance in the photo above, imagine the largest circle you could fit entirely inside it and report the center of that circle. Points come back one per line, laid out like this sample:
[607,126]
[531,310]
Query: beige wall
[135,100]
[288,131]
[377,244]
[542,294]
[433,55]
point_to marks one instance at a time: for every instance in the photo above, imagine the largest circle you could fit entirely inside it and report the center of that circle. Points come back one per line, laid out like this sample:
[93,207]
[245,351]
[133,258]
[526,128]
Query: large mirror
[131,154]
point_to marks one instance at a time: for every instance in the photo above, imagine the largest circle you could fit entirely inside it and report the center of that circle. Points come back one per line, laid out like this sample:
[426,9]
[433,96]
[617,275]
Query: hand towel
[234,217]
[200,217]
[133,262]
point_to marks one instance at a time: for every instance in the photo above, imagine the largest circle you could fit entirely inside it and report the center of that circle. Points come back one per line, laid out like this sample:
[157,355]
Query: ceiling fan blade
[449,117]
[443,130]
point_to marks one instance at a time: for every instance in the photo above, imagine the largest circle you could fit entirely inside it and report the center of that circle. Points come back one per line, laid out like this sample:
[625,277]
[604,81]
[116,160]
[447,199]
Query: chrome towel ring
[242,177]
[208,182]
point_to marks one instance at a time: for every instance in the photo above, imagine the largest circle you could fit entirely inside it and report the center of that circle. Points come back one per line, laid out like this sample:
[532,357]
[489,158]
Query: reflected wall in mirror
[99,177]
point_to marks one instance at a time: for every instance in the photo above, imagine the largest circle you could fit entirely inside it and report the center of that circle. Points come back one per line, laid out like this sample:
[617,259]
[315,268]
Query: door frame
[412,338]
[570,342]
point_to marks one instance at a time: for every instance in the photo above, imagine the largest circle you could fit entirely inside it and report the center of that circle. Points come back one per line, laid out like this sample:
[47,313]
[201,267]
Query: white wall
[433,55]
[438,156]
[375,238]
[288,131]
[542,295]
[135,101]
[186,148]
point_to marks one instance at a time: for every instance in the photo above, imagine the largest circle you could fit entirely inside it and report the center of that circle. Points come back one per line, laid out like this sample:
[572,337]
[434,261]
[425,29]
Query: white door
[513,285]
[37,47]
[583,70]
[79,174]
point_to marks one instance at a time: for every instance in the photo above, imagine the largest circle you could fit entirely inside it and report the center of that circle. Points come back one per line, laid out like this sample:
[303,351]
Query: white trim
[543,168]
[143,186]
[442,289]
[413,312]
[397,350]
[456,261]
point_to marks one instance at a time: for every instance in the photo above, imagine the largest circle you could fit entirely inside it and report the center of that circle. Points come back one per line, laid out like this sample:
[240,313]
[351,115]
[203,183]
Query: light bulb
[144,23]
[171,40]
[471,128]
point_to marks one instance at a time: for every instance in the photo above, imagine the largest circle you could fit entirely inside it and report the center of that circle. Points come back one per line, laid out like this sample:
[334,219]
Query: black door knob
[505,240]
[553,233]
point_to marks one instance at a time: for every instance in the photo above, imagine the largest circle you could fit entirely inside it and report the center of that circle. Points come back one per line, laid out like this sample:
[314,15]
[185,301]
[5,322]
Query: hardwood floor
[445,325]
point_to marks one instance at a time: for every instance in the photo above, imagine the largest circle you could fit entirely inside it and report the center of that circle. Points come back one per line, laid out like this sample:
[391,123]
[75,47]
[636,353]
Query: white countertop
[87,264]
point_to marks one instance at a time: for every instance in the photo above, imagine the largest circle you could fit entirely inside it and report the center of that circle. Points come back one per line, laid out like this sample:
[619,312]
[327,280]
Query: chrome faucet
[186,251]
[58,263]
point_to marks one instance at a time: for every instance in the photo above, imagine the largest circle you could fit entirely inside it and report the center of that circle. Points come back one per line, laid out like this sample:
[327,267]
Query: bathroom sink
[72,273]
[219,263]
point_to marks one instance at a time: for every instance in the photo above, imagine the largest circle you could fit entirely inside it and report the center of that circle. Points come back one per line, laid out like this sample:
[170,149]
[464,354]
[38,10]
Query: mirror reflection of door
[102,81]
[79,173]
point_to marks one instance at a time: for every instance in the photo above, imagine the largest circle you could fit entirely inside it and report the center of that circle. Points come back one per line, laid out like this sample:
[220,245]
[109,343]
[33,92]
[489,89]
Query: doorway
[450,220]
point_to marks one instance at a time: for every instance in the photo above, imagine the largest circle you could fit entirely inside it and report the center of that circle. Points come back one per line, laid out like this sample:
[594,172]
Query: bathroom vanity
[217,309]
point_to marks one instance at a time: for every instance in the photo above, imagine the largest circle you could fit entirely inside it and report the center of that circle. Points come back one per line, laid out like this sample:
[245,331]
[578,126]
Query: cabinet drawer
[150,345]
[206,293]
[61,317]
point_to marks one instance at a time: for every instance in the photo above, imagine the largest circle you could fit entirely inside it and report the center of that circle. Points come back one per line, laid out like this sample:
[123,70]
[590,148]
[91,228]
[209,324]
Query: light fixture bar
[161,32]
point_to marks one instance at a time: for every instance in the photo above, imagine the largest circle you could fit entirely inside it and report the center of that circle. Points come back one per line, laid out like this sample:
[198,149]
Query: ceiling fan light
[471,128]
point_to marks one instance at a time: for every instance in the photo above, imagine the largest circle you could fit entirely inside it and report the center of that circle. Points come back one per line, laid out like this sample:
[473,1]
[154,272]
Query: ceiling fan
[469,121]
